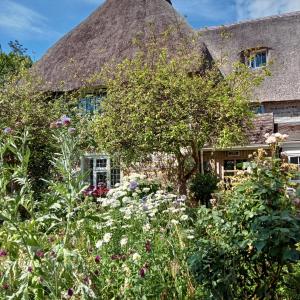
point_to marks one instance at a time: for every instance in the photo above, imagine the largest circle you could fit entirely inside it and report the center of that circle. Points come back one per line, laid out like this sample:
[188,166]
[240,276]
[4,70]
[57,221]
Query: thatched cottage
[108,34]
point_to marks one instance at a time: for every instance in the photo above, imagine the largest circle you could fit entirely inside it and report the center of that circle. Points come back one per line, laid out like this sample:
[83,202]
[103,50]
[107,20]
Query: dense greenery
[161,103]
[202,186]
[141,242]
[248,240]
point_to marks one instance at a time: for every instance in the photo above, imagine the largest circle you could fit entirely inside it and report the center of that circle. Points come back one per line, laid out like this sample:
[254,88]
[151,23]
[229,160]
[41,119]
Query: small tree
[161,102]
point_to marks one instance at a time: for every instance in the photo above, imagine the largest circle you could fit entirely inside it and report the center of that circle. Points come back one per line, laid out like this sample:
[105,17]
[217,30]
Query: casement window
[102,170]
[256,59]
[295,160]
[232,166]
[90,104]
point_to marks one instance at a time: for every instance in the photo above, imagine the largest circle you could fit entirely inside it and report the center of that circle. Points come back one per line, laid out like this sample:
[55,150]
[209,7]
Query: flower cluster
[64,121]
[275,138]
[96,191]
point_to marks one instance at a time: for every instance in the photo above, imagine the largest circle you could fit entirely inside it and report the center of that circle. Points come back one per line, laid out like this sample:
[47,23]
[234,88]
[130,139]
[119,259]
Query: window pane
[228,164]
[115,176]
[101,178]
[294,160]
[101,163]
[264,58]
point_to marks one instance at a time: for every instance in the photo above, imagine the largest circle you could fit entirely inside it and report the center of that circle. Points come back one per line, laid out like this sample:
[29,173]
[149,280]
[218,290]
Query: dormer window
[256,59]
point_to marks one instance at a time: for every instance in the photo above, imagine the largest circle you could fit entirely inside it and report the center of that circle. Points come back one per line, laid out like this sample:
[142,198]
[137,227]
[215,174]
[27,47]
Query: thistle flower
[3,253]
[143,272]
[66,121]
[97,259]
[148,246]
[70,292]
[40,254]
[7,130]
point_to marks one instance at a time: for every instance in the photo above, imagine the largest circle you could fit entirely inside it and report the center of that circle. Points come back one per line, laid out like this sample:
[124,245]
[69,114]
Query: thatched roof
[280,34]
[107,35]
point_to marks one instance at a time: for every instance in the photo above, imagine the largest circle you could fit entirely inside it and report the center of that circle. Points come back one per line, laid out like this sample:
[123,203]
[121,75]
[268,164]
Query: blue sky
[37,24]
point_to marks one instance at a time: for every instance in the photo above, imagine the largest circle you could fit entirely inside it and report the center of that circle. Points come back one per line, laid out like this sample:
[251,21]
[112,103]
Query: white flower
[285,136]
[107,237]
[278,135]
[267,135]
[123,241]
[146,227]
[99,244]
[184,217]
[134,194]
[136,257]
[190,237]
[174,222]
[271,140]
[146,190]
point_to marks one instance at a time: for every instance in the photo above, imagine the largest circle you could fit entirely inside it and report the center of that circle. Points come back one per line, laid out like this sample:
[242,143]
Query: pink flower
[66,121]
[97,259]
[40,254]
[3,253]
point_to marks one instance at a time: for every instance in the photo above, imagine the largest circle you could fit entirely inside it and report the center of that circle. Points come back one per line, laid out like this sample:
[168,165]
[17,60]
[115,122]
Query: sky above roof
[39,24]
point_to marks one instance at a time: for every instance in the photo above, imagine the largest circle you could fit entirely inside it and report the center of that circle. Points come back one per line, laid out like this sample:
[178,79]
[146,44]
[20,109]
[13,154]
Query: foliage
[132,244]
[12,63]
[159,102]
[249,239]
[202,186]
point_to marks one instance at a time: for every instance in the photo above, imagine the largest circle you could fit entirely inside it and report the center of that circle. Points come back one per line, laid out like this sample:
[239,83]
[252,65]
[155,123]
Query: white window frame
[252,54]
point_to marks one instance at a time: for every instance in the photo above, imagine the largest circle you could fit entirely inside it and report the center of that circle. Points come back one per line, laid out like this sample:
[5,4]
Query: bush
[202,186]
[249,239]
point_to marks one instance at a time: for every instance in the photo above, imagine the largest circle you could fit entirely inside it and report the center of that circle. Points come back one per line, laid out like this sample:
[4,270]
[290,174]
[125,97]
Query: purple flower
[97,259]
[3,253]
[71,130]
[40,254]
[58,123]
[66,121]
[5,286]
[7,130]
[133,185]
[143,272]
[29,269]
[148,246]
[70,292]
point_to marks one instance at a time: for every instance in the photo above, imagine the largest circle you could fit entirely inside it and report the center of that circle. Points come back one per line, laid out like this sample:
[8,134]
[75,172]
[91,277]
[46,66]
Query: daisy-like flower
[124,241]
[136,257]
[107,237]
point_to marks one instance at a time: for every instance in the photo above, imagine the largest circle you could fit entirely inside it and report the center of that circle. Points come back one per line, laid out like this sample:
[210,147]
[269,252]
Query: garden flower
[66,121]
[5,286]
[70,292]
[107,237]
[143,272]
[136,257]
[124,241]
[146,227]
[133,185]
[7,130]
[29,269]
[71,130]
[58,124]
[190,237]
[99,244]
[174,222]
[148,246]
[40,254]
[97,259]
[3,253]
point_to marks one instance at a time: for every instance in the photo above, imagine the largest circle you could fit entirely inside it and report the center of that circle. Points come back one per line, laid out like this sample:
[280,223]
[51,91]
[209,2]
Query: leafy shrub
[249,239]
[202,186]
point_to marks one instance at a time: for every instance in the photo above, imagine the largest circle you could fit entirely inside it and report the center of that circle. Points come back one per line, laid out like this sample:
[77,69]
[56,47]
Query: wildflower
[146,190]
[70,292]
[66,121]
[71,130]
[143,272]
[40,254]
[174,222]
[184,217]
[190,237]
[3,253]
[7,130]
[136,257]
[146,227]
[29,269]
[5,286]
[148,246]
[133,185]
[124,241]
[97,259]
[99,244]
[107,237]
[58,124]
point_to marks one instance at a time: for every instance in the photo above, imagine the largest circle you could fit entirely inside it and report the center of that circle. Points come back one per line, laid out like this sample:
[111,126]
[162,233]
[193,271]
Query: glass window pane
[101,163]
[228,164]
[101,178]
[264,58]
[115,176]
[294,160]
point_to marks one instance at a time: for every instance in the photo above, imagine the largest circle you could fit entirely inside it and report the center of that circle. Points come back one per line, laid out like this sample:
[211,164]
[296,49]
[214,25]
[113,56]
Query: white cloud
[21,20]
[251,9]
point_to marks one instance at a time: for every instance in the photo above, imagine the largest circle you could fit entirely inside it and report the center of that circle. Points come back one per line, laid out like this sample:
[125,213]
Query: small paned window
[257,59]
[115,176]
[101,178]
[90,104]
[101,163]
[232,166]
[295,160]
